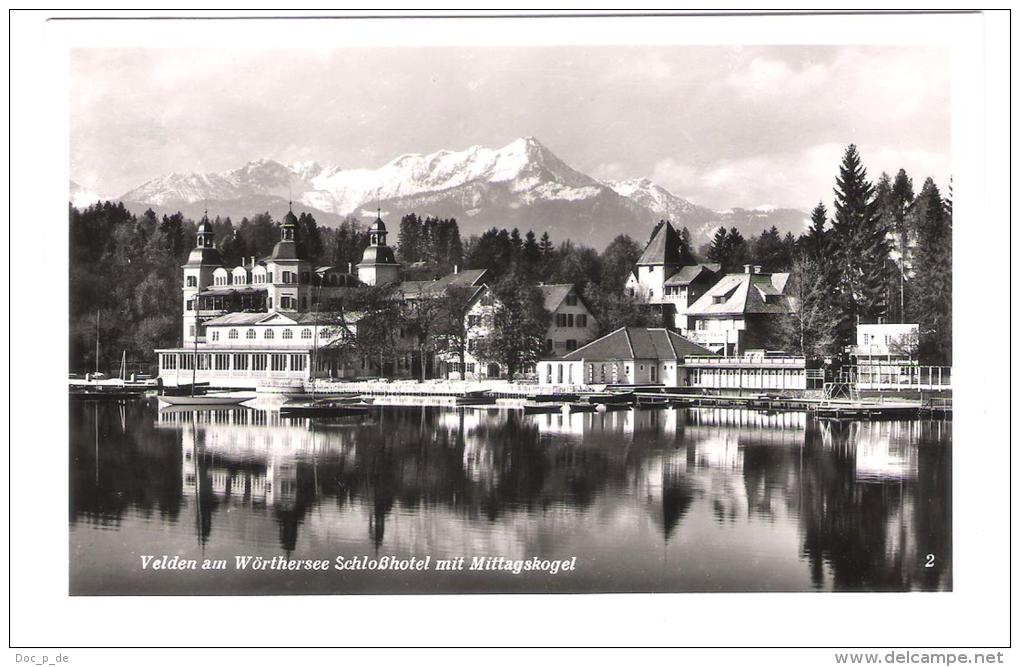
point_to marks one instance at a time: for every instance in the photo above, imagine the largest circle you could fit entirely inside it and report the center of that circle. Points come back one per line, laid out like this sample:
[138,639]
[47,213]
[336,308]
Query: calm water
[650,500]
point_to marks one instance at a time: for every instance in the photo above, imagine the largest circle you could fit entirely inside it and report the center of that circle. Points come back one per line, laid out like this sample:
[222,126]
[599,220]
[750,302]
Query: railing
[898,377]
[762,362]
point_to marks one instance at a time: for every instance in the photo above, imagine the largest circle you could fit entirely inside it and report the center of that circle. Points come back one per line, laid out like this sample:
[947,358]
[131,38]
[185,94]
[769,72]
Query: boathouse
[629,355]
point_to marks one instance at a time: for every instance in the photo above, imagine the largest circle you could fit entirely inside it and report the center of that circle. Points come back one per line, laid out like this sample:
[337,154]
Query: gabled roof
[629,343]
[663,247]
[688,274]
[412,289]
[554,294]
[745,293]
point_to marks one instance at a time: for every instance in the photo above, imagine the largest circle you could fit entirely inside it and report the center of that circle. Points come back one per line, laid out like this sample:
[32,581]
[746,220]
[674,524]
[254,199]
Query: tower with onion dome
[378,266]
[203,260]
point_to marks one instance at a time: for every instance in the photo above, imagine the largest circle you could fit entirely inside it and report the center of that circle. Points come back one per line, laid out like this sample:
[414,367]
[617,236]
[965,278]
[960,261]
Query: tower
[289,270]
[198,274]
[378,266]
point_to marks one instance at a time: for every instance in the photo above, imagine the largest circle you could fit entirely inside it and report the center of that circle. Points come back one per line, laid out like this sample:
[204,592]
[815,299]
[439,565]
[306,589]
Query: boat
[541,408]
[613,407]
[581,406]
[611,397]
[475,398]
[199,400]
[555,398]
[325,407]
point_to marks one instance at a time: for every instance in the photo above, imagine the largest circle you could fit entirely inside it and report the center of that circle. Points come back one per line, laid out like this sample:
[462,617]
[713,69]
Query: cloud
[769,76]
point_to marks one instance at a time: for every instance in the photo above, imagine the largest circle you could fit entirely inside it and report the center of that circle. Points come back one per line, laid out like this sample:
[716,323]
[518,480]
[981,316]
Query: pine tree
[815,242]
[717,250]
[932,286]
[860,249]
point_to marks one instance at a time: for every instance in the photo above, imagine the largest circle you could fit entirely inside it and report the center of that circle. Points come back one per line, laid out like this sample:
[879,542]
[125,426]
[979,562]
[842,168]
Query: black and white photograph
[379,308]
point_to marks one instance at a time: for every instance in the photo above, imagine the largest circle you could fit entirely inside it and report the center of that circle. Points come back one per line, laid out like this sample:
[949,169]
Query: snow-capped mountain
[522,184]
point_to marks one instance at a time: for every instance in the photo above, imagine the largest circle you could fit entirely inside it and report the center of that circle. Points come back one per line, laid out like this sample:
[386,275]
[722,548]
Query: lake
[668,500]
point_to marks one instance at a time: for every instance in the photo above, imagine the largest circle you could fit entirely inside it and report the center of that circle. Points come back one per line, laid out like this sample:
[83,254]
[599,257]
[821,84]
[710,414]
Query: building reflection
[868,500]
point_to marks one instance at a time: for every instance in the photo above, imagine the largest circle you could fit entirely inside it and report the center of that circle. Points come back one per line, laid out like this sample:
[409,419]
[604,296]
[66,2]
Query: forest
[884,253]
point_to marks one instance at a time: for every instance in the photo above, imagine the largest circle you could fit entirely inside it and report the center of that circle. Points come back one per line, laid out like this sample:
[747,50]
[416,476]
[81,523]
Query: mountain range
[522,184]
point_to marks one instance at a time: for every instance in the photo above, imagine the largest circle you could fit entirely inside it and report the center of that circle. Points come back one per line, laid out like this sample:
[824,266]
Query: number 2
[929,560]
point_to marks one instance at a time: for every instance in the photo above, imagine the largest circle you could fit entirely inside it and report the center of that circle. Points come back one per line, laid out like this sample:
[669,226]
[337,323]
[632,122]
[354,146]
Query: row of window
[571,345]
[267,334]
[234,362]
[571,320]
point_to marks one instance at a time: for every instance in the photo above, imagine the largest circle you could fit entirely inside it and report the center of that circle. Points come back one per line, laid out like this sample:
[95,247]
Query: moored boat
[205,399]
[540,408]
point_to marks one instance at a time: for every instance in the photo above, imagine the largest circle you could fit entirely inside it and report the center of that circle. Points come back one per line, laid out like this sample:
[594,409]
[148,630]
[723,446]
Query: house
[571,324]
[754,369]
[741,311]
[668,279]
[629,355]
[885,357]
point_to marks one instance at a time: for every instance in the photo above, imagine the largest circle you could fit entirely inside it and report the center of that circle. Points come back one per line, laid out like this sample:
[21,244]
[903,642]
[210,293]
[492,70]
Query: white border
[974,614]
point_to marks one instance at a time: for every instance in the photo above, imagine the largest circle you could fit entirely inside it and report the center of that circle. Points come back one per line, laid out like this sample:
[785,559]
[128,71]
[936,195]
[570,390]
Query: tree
[576,265]
[363,318]
[613,310]
[815,240]
[455,326]
[618,260]
[421,321]
[811,329]
[717,250]
[516,324]
[309,238]
[932,294]
[860,248]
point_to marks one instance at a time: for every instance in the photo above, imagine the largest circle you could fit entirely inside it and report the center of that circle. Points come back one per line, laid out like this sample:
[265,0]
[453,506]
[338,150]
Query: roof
[377,226]
[688,274]
[205,257]
[663,247]
[248,319]
[286,250]
[377,254]
[555,294]
[745,293]
[637,343]
[418,288]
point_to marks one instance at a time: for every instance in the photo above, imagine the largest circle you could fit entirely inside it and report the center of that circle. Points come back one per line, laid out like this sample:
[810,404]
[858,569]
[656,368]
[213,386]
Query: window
[548,372]
[270,276]
[306,333]
[191,330]
[215,334]
[259,361]
[250,334]
[582,321]
[571,299]
[570,319]
[297,362]
[561,320]
[192,281]
[285,302]
[279,362]
[548,345]
[240,362]
[270,301]
[232,334]
[571,345]
[288,334]
[204,362]
[559,373]
[222,362]
[190,305]
[268,335]
[469,368]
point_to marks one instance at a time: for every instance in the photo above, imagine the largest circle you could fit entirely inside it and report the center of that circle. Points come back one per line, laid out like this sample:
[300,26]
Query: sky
[723,126]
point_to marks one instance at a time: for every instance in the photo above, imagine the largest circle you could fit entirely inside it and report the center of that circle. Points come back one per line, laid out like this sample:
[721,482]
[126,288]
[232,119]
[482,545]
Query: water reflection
[671,500]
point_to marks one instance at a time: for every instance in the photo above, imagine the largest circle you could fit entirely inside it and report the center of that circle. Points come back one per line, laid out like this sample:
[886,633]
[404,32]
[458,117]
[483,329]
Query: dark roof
[417,288]
[637,343]
[378,254]
[663,247]
[290,218]
[286,250]
[377,226]
[205,257]
[688,274]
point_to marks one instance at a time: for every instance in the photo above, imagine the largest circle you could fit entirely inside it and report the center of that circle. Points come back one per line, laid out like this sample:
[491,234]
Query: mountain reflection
[852,506]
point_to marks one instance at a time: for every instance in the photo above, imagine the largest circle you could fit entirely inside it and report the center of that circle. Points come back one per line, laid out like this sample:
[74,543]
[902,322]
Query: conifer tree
[859,250]
[932,286]
[717,250]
